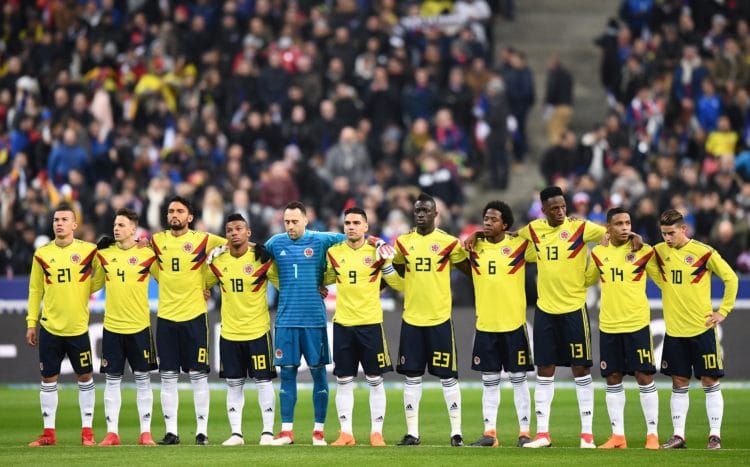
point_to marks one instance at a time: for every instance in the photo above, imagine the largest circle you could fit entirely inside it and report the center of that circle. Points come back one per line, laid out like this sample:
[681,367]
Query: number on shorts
[259,362]
[202,355]
[381,360]
[576,350]
[709,360]
[644,355]
[441,359]
[85,358]
[522,357]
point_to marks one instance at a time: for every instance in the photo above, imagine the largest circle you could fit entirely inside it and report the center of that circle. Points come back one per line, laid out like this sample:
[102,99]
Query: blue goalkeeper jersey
[301,264]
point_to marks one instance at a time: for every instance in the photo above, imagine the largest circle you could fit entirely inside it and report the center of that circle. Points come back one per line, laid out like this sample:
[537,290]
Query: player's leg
[376,361]
[262,369]
[547,350]
[78,349]
[346,357]
[709,367]
[517,361]
[167,345]
[234,366]
[486,358]
[676,362]
[612,366]
[142,357]
[51,354]
[443,364]
[194,340]
[113,366]
[639,354]
[577,341]
[287,356]
[317,353]
[411,363]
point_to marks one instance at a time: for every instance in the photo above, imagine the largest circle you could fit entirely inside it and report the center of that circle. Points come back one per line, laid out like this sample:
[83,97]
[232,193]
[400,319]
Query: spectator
[66,156]
[558,99]
[519,82]
[349,158]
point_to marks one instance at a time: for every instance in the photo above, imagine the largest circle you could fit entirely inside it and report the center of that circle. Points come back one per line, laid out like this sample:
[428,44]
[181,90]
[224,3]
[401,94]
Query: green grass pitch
[20,422]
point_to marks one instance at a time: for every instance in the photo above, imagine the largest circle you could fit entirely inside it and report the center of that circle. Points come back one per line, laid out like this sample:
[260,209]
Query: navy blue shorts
[364,344]
[699,355]
[497,351]
[562,340]
[137,349]
[52,350]
[627,352]
[431,346]
[253,358]
[183,344]
[293,343]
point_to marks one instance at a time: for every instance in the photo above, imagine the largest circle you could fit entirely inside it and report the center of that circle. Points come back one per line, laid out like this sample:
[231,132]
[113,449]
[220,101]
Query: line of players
[299,261]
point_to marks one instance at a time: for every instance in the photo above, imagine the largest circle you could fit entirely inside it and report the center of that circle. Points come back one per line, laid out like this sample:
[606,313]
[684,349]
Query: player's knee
[708,381]
[86,377]
[643,378]
[579,371]
[546,371]
[680,382]
[413,376]
[288,373]
[374,380]
[50,379]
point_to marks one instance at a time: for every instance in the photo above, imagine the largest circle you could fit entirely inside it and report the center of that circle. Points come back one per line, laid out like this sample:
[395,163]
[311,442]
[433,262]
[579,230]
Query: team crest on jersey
[435,248]
[506,251]
[689,260]
[279,353]
[564,235]
[248,269]
[187,247]
[104,362]
[367,260]
[132,260]
[308,252]
[630,257]
[75,258]
[603,365]
[477,360]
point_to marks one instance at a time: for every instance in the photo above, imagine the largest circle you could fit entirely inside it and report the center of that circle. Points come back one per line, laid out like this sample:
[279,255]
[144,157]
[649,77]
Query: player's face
[493,224]
[674,235]
[294,223]
[355,227]
[619,227]
[64,223]
[178,216]
[238,233]
[555,209]
[424,214]
[124,228]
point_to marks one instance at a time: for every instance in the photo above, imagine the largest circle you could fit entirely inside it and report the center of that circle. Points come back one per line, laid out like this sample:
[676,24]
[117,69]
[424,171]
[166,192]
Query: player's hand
[31,337]
[142,242]
[105,242]
[637,241]
[261,254]
[714,318]
[206,294]
[383,249]
[471,240]
[605,240]
[323,291]
[215,253]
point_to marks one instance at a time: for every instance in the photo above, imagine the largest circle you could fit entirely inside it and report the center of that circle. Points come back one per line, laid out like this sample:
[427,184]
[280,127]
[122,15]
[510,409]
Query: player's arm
[329,276]
[593,273]
[653,271]
[210,278]
[459,257]
[399,260]
[214,241]
[36,292]
[392,277]
[273,274]
[97,280]
[329,238]
[593,232]
[721,268]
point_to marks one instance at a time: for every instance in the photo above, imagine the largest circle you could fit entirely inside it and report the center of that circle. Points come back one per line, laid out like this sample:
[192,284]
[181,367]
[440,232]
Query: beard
[177,226]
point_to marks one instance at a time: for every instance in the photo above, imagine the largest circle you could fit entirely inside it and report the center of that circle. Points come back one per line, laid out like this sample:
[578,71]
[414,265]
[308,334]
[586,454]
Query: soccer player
[182,324]
[245,343]
[358,335]
[691,344]
[127,325]
[625,343]
[425,257]
[61,282]
[561,322]
[498,263]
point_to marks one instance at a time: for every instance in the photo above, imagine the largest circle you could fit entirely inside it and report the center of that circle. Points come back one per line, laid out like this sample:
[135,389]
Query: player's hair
[235,217]
[425,198]
[615,211]
[128,213]
[504,210]
[356,210]
[296,205]
[550,192]
[182,200]
[65,206]
[671,217]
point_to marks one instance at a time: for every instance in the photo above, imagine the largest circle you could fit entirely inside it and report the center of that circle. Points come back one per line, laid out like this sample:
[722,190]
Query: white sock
[543,395]
[144,399]
[267,403]
[317,426]
[48,402]
[86,401]
[650,407]
[452,395]
[714,408]
[287,426]
[235,403]
[170,399]
[522,399]
[112,401]
[412,396]
[585,395]
[345,402]
[490,399]
[616,408]
[201,400]
[679,404]
[377,403]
